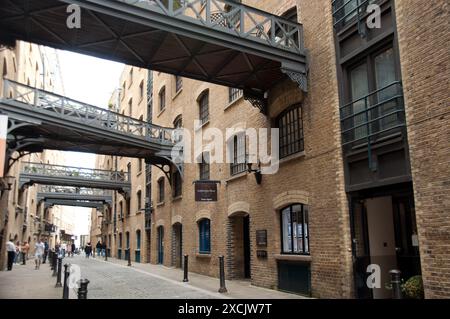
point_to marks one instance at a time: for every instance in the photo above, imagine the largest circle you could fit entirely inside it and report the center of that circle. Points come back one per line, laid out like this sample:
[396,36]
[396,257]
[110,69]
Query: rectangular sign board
[205,191]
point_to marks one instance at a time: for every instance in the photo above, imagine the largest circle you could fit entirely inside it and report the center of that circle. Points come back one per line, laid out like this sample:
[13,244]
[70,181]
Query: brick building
[363,176]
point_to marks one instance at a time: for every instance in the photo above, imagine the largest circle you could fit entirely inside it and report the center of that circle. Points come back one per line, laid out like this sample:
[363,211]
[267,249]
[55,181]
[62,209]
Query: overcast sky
[91,80]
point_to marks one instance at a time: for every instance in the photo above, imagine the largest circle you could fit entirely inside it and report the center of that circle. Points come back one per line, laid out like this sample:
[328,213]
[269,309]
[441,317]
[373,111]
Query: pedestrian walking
[104,249]
[74,248]
[63,249]
[39,253]
[99,247]
[18,253]
[68,250]
[88,250]
[25,250]
[11,249]
[45,251]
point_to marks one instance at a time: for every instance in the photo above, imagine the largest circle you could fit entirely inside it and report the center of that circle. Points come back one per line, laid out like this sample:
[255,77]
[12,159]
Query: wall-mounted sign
[261,237]
[206,191]
[261,253]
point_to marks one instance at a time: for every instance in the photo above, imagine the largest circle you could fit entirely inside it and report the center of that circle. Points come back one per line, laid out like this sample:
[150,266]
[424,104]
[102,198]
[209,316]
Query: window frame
[161,190]
[177,186]
[204,236]
[287,131]
[204,166]
[203,107]
[305,235]
[237,167]
[162,99]
[178,83]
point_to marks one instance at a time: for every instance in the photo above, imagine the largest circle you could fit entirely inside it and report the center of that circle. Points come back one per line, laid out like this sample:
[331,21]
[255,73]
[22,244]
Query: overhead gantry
[217,41]
[40,120]
[80,179]
[74,196]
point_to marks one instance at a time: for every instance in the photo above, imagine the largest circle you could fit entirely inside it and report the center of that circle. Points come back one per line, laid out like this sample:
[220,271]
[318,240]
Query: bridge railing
[55,189]
[231,17]
[74,172]
[38,100]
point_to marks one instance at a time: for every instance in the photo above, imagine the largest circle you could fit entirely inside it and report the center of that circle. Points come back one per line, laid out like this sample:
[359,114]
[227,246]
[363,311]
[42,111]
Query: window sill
[203,255]
[160,204]
[161,112]
[236,177]
[139,173]
[201,126]
[177,93]
[292,157]
[301,258]
[230,104]
[177,198]
[140,100]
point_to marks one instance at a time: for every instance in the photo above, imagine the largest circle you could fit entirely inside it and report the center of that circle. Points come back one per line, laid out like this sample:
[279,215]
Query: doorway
[148,247]
[177,245]
[384,233]
[240,254]
[160,245]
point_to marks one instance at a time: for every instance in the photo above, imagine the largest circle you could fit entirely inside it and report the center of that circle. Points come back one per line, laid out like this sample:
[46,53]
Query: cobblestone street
[115,280]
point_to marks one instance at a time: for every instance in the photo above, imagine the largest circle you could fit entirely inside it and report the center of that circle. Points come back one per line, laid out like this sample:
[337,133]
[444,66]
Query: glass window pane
[359,89]
[286,230]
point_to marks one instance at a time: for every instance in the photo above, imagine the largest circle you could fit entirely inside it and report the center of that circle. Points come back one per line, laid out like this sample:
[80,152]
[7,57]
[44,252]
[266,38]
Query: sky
[90,80]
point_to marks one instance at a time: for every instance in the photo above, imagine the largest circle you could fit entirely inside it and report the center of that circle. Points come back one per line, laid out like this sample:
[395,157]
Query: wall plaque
[261,237]
[206,191]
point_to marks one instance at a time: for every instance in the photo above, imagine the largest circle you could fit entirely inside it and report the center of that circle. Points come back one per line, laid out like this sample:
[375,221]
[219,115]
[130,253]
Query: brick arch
[202,214]
[160,222]
[238,207]
[290,197]
[177,219]
[204,87]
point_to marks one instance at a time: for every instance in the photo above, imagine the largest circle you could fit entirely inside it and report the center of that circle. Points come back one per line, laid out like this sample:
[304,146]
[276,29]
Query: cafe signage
[206,191]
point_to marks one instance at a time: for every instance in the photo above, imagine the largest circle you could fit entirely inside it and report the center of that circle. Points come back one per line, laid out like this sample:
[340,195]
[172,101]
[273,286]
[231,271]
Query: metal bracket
[257,100]
[298,77]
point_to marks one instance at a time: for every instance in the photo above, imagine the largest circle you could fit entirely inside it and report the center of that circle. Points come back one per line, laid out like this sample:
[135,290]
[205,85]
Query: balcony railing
[62,107]
[233,18]
[74,172]
[347,11]
[373,116]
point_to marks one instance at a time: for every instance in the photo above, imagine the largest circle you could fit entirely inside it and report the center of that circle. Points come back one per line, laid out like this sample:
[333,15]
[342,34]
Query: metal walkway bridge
[218,41]
[41,120]
[74,196]
[77,177]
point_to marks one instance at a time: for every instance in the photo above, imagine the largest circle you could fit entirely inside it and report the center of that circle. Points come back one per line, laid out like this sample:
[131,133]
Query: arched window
[204,230]
[120,241]
[295,229]
[178,125]
[177,184]
[161,190]
[203,103]
[178,83]
[127,239]
[290,124]
[162,98]
[138,239]
[139,199]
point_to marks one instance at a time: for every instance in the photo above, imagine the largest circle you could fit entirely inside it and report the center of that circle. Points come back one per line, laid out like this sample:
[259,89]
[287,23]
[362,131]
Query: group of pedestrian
[19,252]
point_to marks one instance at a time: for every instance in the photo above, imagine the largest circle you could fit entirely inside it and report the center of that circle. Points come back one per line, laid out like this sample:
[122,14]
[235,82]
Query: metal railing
[62,107]
[74,172]
[372,115]
[233,18]
[345,11]
[54,189]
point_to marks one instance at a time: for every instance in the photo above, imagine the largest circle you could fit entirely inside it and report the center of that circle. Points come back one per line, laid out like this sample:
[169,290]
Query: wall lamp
[258,175]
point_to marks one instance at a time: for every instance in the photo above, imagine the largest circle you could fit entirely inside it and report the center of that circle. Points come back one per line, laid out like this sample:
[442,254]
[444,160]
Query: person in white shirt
[63,248]
[11,249]
[39,253]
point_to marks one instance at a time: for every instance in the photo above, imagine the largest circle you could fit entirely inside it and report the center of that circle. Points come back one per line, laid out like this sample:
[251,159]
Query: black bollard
[185,268]
[222,288]
[82,290]
[54,265]
[58,278]
[129,257]
[50,259]
[66,277]
[106,254]
[396,284]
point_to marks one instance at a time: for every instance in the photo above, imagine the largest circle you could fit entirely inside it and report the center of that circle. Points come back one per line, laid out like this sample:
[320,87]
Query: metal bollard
[66,277]
[185,268]
[222,288]
[50,259]
[396,284]
[58,278]
[129,257]
[106,254]
[54,265]
[82,290]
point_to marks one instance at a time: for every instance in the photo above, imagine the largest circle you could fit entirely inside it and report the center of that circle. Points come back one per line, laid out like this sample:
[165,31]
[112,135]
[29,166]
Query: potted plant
[413,288]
